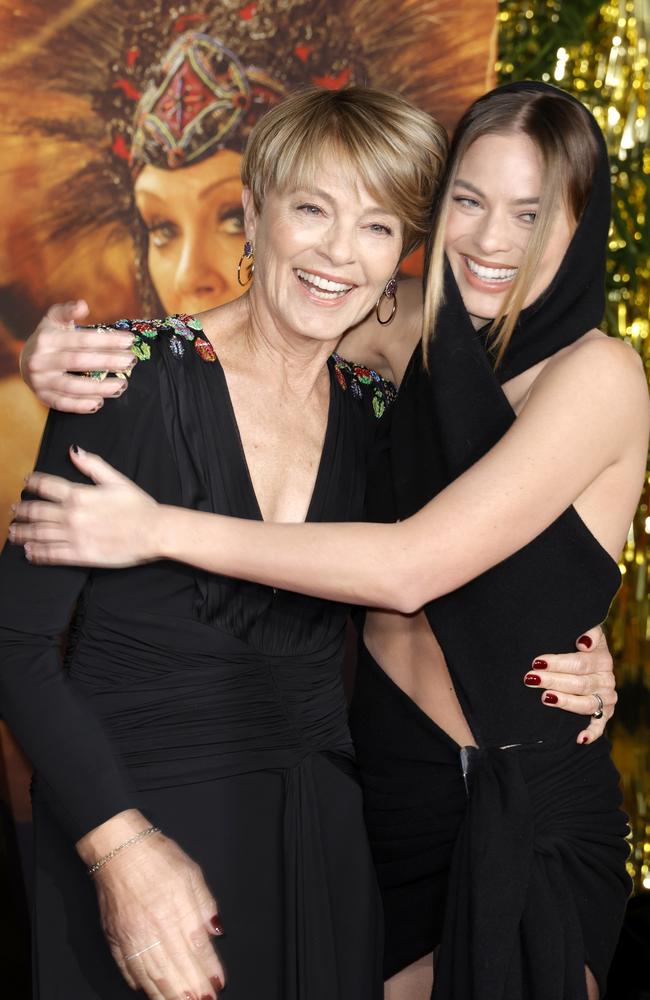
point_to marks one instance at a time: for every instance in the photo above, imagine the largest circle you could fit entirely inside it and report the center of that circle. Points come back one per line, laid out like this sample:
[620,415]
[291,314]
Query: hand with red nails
[57,348]
[158,915]
[570,680]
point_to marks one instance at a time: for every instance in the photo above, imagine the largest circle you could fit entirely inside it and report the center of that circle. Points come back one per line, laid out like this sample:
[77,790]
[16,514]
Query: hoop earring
[249,257]
[390,292]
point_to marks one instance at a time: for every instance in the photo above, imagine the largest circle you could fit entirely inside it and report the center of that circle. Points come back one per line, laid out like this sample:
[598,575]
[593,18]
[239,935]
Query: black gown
[510,856]
[214,706]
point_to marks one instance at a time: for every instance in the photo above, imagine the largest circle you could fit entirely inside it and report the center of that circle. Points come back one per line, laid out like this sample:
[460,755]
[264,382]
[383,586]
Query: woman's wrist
[163,532]
[115,831]
[180,534]
[137,838]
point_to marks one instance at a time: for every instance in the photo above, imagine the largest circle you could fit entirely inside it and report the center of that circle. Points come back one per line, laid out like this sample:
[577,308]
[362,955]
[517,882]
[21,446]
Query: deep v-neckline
[244,466]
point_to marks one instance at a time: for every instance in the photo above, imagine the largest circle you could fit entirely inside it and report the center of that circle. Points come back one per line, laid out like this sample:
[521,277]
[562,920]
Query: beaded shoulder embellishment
[181,330]
[364,382]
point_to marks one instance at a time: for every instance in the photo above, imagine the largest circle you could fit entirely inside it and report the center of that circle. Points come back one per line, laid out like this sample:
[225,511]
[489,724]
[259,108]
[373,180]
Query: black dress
[511,855]
[214,706]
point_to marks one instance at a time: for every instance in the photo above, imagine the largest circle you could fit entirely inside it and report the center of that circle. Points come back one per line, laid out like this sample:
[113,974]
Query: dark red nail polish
[532,680]
[216,925]
[585,739]
[585,640]
[206,996]
[75,448]
[216,983]
[550,698]
[540,665]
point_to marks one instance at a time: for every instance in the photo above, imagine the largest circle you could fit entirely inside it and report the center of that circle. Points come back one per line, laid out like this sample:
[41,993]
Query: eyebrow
[203,193]
[513,201]
[319,193]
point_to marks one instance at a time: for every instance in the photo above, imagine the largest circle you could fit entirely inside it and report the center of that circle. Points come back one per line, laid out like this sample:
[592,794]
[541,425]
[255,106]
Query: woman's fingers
[191,962]
[584,705]
[201,944]
[24,534]
[83,386]
[76,394]
[573,684]
[163,969]
[68,355]
[207,926]
[594,730]
[211,927]
[172,969]
[570,681]
[163,976]
[97,469]
[31,511]
[67,313]
[123,966]
[42,484]
[54,554]
[58,347]
[581,704]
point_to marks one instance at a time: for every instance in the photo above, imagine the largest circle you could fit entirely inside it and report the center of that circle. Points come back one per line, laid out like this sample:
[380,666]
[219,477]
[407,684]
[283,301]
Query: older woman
[196,705]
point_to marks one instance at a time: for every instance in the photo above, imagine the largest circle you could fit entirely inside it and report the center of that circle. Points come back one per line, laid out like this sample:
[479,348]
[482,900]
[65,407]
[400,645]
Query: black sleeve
[77,772]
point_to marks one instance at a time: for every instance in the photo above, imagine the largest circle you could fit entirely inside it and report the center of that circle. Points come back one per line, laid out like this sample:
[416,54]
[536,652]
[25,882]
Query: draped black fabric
[509,885]
[213,705]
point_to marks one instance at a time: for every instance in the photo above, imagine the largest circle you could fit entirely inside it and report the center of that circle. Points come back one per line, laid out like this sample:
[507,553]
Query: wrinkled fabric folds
[513,924]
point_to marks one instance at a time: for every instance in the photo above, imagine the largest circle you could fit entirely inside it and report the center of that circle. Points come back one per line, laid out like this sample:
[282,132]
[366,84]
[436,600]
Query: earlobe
[250,215]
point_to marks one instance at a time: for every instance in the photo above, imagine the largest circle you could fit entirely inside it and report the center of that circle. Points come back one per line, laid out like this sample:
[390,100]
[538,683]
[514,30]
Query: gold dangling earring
[249,257]
[390,292]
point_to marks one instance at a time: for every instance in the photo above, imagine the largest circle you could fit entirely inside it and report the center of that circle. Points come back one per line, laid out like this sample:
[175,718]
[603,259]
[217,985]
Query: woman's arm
[584,416]
[77,773]
[151,891]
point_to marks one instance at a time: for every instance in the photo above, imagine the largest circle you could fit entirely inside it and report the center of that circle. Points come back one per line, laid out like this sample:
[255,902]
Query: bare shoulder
[602,363]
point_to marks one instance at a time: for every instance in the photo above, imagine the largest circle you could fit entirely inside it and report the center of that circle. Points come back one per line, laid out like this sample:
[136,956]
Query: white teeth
[332,288]
[491,273]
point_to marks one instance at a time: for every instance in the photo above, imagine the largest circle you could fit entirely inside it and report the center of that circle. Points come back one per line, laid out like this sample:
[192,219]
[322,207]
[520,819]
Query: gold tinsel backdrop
[599,53]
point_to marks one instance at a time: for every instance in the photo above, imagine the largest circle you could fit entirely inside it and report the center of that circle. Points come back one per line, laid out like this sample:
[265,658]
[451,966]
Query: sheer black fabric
[536,858]
[214,706]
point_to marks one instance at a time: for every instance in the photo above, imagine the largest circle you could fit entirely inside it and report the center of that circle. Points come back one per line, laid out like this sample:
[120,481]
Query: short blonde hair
[560,130]
[397,151]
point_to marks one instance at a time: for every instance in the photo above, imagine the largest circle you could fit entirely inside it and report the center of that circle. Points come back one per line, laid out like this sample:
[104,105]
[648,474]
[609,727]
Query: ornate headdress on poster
[199,73]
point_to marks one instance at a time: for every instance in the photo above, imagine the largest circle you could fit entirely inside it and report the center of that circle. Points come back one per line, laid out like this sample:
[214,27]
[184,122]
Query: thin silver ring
[136,954]
[598,714]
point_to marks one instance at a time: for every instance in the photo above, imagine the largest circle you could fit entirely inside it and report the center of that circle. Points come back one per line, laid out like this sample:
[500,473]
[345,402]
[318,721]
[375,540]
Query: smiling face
[494,201]
[195,223]
[322,256]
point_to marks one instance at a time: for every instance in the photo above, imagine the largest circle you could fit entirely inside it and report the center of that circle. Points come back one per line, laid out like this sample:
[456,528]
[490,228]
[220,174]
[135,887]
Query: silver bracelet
[149,832]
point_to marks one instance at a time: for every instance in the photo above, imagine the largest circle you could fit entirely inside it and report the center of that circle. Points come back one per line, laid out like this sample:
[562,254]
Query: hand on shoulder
[58,348]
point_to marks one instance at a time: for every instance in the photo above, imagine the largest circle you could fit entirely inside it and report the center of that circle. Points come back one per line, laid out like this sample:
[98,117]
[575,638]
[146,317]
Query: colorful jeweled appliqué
[181,329]
[176,346]
[205,349]
[356,377]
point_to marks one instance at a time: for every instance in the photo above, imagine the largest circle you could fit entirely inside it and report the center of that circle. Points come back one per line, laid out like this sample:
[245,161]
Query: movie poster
[80,217]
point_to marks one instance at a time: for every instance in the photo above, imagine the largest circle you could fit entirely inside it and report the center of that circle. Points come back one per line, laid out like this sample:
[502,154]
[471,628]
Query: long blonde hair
[561,131]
